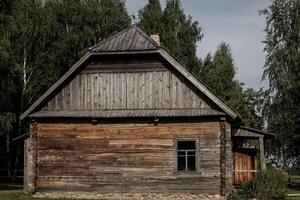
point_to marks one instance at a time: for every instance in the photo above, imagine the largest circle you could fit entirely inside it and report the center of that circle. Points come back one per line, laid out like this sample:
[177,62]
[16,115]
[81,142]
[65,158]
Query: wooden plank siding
[129,83]
[246,167]
[129,157]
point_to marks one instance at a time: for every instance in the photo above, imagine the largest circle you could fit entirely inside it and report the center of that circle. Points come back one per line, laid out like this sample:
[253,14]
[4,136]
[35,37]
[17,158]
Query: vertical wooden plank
[174,86]
[100,92]
[85,92]
[142,90]
[96,88]
[166,89]
[150,90]
[89,95]
[138,90]
[154,90]
[123,90]
[118,91]
[77,95]
[92,93]
[72,95]
[113,91]
[63,91]
[56,102]
[128,94]
[147,90]
[160,89]
[135,97]
[131,86]
[82,92]
[179,93]
[106,94]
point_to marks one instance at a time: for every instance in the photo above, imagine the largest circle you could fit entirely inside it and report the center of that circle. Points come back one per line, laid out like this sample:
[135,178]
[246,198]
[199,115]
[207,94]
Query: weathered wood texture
[135,157]
[130,39]
[229,158]
[30,158]
[226,161]
[126,83]
[246,166]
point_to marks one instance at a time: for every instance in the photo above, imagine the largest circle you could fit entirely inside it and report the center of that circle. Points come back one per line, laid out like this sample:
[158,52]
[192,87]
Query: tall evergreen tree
[218,73]
[179,33]
[151,17]
[282,69]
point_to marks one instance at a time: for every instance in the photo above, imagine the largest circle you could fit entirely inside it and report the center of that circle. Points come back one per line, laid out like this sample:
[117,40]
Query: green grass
[18,195]
[15,195]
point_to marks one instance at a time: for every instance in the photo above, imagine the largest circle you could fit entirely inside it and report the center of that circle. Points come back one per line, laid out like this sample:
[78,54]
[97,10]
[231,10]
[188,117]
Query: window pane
[186,145]
[192,163]
[181,153]
[181,163]
[191,153]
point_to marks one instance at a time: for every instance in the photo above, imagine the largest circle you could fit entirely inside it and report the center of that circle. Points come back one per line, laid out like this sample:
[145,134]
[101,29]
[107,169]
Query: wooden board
[126,83]
[246,166]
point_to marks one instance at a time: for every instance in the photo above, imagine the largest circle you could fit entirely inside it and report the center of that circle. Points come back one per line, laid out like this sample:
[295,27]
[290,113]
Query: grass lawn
[14,195]
[18,195]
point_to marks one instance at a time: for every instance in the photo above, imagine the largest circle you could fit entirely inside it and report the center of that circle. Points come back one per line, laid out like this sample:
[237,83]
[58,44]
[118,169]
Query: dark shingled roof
[130,39]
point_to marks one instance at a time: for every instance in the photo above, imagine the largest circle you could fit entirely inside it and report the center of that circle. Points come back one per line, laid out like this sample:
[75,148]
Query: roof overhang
[178,67]
[247,132]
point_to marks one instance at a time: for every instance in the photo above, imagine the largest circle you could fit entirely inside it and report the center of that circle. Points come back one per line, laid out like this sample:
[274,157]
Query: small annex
[129,118]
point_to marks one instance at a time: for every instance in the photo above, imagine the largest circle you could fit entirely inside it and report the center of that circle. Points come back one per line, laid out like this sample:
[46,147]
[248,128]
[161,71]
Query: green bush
[269,185]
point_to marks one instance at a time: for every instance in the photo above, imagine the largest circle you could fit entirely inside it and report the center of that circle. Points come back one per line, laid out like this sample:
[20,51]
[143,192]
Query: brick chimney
[156,38]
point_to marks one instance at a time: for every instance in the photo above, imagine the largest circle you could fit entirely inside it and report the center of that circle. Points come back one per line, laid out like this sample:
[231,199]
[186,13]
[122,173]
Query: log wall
[132,157]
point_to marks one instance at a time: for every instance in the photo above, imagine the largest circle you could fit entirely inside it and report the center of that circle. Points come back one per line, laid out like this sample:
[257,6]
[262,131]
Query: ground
[15,192]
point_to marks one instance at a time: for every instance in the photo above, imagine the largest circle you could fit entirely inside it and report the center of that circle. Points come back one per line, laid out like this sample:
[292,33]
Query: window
[186,155]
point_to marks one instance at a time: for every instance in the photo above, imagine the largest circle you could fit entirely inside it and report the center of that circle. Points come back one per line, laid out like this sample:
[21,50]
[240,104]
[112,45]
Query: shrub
[269,185]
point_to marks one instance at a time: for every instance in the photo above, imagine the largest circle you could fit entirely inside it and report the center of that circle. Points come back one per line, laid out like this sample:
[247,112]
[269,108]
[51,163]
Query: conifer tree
[151,18]
[179,33]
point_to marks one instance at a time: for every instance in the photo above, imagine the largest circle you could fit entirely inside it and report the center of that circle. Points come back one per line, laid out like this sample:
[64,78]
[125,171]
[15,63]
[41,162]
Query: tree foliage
[178,32]
[218,72]
[179,35]
[282,69]
[39,40]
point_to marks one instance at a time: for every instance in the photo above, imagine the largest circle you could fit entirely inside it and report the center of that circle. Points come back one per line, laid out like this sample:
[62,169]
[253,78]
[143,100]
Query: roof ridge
[111,37]
[142,41]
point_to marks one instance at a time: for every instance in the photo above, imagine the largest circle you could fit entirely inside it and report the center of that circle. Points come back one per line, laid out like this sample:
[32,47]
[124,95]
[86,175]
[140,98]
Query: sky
[235,22]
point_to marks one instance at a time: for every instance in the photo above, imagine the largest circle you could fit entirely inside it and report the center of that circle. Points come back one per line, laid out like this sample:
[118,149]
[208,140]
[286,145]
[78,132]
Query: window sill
[186,174]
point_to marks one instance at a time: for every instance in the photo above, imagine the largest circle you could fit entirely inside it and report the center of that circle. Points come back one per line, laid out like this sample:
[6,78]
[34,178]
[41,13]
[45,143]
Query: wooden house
[128,118]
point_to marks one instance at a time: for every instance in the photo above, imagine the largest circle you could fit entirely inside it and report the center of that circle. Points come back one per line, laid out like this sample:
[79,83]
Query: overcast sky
[233,21]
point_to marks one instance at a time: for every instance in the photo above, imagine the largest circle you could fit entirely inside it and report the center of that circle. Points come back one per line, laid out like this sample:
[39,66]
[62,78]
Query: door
[246,165]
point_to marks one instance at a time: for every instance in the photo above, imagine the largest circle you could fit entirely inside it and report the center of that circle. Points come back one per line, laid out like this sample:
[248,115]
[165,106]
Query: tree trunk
[18,143]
